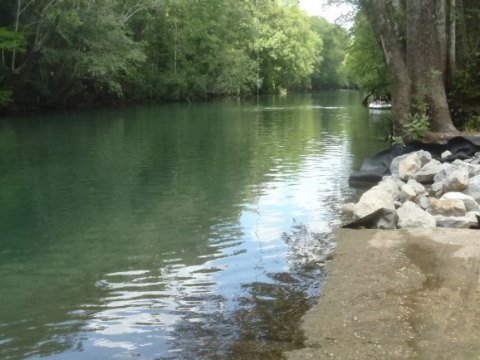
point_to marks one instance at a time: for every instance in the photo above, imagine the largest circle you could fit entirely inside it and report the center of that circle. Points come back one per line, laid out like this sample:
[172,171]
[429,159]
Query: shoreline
[399,294]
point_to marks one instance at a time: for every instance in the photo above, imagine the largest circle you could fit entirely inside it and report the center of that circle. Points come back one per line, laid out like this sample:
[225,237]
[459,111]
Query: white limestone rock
[472,217]
[423,201]
[471,169]
[437,189]
[445,154]
[407,193]
[468,201]
[451,179]
[457,180]
[475,170]
[397,204]
[423,156]
[372,200]
[473,188]
[458,222]
[409,166]
[411,215]
[447,207]
[426,174]
[419,188]
[390,185]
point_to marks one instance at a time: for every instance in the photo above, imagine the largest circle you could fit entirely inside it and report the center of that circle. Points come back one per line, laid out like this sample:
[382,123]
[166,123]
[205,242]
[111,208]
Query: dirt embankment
[408,294]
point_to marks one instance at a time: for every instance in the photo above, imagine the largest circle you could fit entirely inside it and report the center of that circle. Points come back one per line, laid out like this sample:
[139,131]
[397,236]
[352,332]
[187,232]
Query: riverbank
[404,294]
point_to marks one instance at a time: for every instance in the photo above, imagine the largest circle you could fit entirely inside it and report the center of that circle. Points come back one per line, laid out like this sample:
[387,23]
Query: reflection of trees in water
[263,321]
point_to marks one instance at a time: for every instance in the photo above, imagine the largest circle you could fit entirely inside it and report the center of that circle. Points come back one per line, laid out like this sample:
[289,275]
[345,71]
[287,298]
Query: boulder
[428,171]
[447,207]
[446,154]
[475,170]
[399,182]
[456,180]
[407,193]
[411,215]
[445,169]
[379,219]
[473,188]
[423,201]
[419,188]
[476,159]
[468,201]
[473,218]
[372,200]
[423,156]
[409,166]
[459,164]
[458,222]
[437,189]
[390,185]
[425,193]
[451,179]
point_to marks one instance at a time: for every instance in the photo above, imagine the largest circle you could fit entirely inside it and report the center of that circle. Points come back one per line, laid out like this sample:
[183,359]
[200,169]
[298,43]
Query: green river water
[193,231]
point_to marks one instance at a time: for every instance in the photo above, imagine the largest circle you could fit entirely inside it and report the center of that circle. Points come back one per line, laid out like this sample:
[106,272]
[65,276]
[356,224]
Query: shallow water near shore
[178,231]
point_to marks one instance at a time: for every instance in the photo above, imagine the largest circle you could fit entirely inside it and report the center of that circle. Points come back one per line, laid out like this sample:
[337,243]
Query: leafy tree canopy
[61,53]
[364,62]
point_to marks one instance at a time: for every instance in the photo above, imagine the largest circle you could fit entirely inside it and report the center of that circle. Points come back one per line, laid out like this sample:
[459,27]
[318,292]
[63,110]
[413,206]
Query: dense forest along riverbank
[178,231]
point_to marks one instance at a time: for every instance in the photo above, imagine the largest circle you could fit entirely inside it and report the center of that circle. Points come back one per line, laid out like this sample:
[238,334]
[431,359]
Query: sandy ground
[408,294]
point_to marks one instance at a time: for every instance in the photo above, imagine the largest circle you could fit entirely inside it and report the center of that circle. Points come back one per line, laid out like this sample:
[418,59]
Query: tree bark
[441,33]
[419,68]
[381,15]
[452,44]
[427,59]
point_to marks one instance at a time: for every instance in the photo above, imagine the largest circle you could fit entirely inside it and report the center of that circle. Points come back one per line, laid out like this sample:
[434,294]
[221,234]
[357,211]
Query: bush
[5,98]
[417,125]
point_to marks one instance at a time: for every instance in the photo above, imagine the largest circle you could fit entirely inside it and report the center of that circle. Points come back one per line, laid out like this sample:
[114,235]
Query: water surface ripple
[172,232]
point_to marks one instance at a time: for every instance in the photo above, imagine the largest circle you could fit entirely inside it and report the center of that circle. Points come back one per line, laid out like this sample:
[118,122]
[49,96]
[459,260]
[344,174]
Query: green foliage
[417,125]
[418,121]
[419,105]
[472,124]
[205,50]
[364,62]
[92,51]
[465,94]
[397,140]
[76,52]
[10,40]
[288,48]
[329,71]
[467,82]
[5,98]
[66,53]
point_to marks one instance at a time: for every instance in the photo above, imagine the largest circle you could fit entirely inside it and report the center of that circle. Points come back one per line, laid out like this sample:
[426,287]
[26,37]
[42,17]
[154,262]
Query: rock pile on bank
[423,192]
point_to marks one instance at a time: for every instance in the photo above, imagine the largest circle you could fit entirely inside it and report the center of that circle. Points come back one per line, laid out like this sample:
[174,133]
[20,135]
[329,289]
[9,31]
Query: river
[189,231]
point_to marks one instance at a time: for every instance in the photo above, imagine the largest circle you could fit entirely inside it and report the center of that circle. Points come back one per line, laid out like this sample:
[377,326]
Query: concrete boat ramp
[404,294]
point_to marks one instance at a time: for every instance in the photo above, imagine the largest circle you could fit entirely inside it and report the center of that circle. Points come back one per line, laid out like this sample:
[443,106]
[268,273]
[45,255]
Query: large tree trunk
[419,68]
[427,58]
[461,34]
[452,44]
[381,15]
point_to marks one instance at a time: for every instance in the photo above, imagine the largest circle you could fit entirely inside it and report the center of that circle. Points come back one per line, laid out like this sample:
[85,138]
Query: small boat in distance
[380,105]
